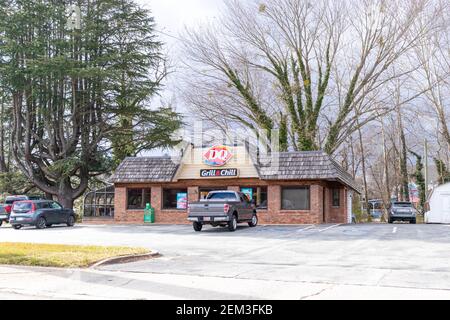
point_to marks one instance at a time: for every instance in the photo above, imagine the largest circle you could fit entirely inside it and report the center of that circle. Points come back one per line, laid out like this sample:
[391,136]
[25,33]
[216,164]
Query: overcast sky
[171,17]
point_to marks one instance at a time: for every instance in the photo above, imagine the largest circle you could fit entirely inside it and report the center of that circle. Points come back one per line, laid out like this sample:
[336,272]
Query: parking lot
[385,261]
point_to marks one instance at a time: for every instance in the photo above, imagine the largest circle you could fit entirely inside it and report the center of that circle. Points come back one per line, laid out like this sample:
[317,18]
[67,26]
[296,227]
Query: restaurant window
[336,197]
[175,199]
[204,191]
[257,194]
[295,198]
[138,198]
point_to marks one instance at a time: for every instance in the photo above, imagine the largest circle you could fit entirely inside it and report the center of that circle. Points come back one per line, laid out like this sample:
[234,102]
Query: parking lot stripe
[328,228]
[304,229]
[394,230]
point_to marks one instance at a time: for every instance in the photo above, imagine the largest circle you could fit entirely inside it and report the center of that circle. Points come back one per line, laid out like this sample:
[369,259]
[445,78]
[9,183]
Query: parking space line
[394,230]
[307,228]
[330,227]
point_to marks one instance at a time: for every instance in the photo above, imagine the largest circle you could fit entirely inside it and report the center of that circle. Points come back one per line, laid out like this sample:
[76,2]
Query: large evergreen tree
[80,95]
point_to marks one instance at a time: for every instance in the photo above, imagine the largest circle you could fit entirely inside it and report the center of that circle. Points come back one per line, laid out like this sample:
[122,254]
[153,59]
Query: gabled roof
[309,165]
[145,169]
[305,165]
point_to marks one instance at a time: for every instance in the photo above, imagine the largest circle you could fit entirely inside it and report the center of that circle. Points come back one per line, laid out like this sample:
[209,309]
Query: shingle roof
[309,165]
[145,169]
[306,165]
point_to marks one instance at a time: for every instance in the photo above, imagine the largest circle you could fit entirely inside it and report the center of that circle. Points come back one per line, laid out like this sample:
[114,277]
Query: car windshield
[402,204]
[222,196]
[22,206]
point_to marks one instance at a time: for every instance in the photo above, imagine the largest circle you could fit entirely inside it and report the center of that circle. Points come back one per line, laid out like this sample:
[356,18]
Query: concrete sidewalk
[49,283]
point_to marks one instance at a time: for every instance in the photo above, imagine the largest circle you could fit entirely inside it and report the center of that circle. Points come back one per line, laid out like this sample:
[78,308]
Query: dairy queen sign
[217,156]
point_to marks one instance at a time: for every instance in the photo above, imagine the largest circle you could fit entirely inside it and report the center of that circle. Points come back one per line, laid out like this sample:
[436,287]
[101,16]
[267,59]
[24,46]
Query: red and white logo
[217,156]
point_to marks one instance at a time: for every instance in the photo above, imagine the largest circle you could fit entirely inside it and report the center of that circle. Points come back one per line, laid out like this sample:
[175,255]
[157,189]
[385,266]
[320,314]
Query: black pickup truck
[223,208]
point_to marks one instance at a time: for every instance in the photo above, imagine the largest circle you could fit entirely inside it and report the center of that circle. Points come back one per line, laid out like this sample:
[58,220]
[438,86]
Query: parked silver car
[402,211]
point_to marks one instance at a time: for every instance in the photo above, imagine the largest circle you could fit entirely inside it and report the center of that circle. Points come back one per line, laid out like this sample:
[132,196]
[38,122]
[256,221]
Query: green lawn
[63,256]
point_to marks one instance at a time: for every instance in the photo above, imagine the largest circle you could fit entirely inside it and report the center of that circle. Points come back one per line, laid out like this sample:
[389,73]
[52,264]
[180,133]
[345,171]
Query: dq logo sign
[217,156]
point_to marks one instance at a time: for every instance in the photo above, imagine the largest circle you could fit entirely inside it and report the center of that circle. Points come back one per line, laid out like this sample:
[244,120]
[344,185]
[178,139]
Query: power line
[168,35]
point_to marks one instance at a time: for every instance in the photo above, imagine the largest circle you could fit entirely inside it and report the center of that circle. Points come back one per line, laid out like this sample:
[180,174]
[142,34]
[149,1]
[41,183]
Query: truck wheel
[413,221]
[232,225]
[254,221]
[197,226]
[17,226]
[1,222]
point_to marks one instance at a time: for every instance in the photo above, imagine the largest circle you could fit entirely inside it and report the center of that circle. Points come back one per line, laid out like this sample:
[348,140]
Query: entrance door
[349,206]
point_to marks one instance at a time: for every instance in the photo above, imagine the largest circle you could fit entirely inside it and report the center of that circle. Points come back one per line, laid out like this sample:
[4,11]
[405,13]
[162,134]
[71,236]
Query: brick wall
[336,214]
[321,209]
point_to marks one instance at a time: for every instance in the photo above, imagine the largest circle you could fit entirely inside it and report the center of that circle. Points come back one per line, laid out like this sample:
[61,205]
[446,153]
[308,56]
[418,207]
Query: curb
[125,259]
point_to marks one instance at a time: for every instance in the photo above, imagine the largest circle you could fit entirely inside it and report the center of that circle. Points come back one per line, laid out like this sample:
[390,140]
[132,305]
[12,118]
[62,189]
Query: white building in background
[439,205]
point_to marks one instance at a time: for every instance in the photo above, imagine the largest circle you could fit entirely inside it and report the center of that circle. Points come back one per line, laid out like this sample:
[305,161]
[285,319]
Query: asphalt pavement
[373,261]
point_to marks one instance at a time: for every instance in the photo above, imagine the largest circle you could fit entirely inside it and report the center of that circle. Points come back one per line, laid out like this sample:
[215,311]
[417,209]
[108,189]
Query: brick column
[120,203]
[317,208]
[273,202]
[156,201]
[327,207]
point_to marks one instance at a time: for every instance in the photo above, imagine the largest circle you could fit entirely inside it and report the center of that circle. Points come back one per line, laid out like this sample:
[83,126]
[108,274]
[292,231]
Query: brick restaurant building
[295,188]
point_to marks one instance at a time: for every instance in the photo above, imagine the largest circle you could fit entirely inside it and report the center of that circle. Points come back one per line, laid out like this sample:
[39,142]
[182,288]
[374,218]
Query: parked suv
[4,217]
[40,213]
[402,211]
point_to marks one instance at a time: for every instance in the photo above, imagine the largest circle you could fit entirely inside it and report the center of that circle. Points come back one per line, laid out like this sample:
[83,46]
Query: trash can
[149,214]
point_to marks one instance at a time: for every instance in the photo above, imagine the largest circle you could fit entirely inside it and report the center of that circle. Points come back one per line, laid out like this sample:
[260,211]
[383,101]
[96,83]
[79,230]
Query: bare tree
[323,64]
[434,54]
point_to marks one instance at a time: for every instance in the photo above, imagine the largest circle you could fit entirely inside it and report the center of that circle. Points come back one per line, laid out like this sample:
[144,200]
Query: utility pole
[426,167]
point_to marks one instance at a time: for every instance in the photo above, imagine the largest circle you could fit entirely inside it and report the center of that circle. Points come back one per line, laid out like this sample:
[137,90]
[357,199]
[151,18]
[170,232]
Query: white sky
[171,17]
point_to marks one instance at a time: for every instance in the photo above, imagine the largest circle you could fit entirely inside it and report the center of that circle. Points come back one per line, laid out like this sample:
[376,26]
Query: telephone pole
[426,167]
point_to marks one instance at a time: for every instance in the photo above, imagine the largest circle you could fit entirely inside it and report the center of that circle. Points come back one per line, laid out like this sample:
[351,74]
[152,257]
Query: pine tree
[80,95]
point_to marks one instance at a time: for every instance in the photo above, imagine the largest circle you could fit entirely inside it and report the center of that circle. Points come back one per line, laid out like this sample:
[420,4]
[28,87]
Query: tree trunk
[363,163]
[403,159]
[66,200]
[387,199]
[3,166]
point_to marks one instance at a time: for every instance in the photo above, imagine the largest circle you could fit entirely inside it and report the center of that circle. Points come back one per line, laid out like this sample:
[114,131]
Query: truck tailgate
[208,208]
